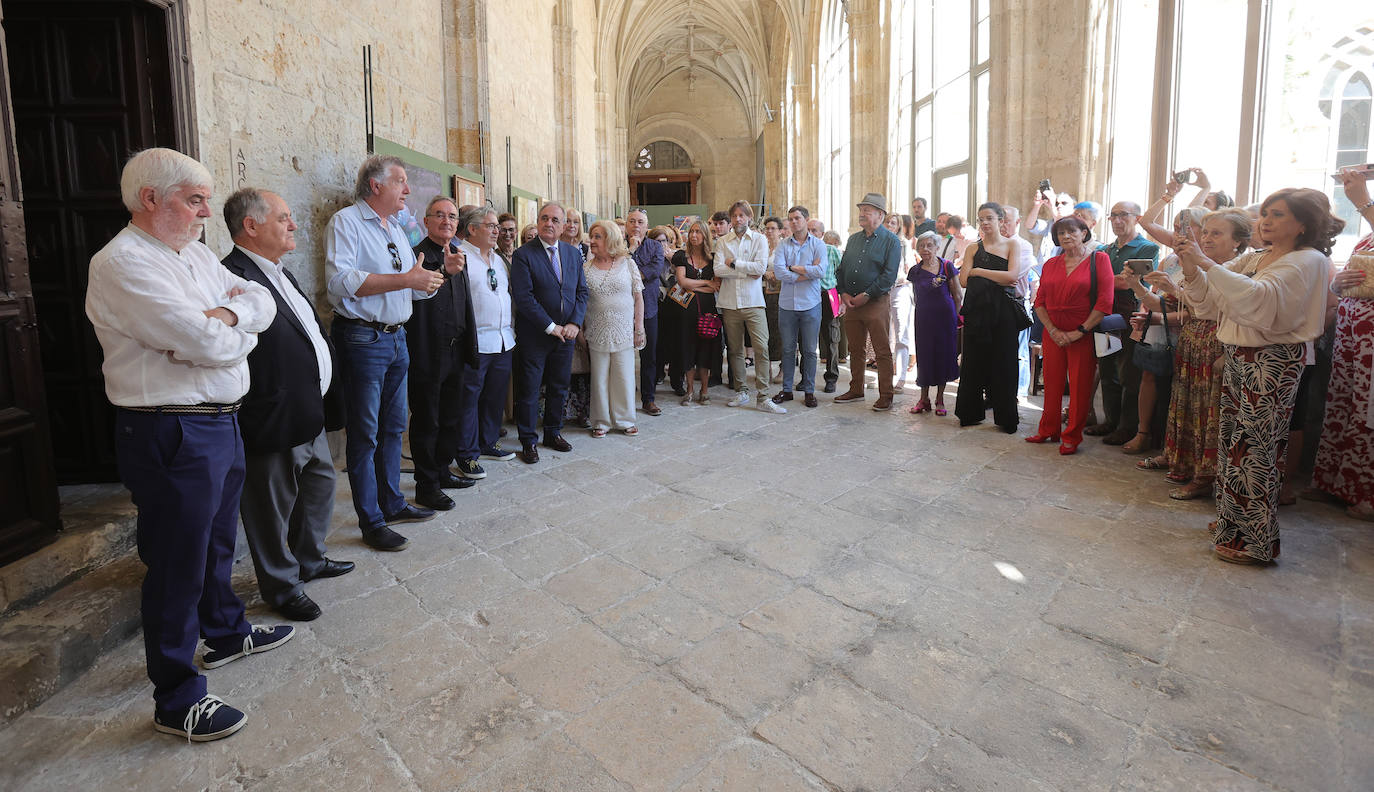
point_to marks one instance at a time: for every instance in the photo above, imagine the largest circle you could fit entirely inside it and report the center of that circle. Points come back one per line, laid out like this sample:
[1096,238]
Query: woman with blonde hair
[1268,305]
[572,231]
[699,343]
[614,327]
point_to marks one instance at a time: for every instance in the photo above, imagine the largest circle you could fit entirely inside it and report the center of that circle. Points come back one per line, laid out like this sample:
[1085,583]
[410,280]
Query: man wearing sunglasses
[372,279]
[486,378]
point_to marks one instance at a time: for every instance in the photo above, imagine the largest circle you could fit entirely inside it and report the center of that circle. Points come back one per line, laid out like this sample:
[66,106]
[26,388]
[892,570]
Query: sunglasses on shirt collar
[491,278]
[395,256]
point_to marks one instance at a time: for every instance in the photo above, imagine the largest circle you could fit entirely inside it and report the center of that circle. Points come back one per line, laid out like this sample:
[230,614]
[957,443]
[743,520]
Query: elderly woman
[1268,305]
[1192,427]
[530,231]
[614,328]
[1345,457]
[935,287]
[699,349]
[1075,293]
[993,320]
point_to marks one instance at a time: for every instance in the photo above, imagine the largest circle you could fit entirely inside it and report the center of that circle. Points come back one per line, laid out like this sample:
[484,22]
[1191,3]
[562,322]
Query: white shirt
[305,314]
[741,286]
[355,246]
[1022,267]
[1284,303]
[491,309]
[148,302]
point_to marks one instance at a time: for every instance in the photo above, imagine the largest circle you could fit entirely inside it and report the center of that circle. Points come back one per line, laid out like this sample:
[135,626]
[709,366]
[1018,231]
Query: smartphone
[1140,267]
[1366,171]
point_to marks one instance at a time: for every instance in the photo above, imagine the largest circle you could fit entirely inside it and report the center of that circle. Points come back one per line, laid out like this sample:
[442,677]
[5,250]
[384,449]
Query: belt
[385,328]
[190,409]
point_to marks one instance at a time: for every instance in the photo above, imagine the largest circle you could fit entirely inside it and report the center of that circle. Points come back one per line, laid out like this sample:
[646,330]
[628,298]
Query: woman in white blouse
[1268,304]
[614,328]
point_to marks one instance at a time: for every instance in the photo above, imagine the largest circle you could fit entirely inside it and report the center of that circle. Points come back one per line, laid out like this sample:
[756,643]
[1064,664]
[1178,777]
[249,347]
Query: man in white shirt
[740,261]
[176,329]
[372,277]
[1011,227]
[486,380]
[288,494]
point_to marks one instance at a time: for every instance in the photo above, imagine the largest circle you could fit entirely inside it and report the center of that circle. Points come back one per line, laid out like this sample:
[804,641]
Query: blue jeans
[803,326]
[372,370]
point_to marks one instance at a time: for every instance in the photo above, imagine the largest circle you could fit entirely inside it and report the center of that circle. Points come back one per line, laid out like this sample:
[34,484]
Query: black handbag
[1158,359]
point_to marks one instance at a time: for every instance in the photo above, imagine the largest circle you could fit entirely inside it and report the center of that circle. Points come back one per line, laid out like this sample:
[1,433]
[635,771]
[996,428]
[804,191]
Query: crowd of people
[226,379]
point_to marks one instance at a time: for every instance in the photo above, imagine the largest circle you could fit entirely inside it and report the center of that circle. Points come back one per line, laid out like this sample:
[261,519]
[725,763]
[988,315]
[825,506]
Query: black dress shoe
[557,443]
[829,387]
[529,454]
[809,400]
[410,514]
[435,500]
[299,608]
[383,538]
[504,432]
[330,569]
[456,482]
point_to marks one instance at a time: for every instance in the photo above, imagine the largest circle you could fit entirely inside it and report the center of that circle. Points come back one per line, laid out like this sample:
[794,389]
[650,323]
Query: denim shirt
[798,294]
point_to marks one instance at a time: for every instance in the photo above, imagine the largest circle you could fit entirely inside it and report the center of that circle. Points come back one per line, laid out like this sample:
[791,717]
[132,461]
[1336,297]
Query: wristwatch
[1083,330]
[1368,205]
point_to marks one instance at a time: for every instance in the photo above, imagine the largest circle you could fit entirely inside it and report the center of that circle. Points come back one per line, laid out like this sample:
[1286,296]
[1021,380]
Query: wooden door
[28,491]
[90,86]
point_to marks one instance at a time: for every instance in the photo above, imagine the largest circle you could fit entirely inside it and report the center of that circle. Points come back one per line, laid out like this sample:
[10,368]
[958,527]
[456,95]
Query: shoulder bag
[1158,359]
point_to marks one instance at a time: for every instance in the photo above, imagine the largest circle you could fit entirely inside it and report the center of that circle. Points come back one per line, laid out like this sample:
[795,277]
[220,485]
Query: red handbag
[708,325]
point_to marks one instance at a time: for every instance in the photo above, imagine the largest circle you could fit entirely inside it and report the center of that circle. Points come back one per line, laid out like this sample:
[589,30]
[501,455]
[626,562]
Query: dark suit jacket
[283,407]
[426,338]
[536,293]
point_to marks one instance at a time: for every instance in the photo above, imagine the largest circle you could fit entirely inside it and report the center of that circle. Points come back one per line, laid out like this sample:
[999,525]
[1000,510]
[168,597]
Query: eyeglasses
[505,230]
[1063,203]
[444,216]
[491,278]
[1121,215]
[395,256]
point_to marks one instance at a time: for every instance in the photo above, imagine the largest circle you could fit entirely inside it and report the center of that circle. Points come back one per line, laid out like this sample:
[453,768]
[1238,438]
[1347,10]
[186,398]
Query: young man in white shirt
[740,261]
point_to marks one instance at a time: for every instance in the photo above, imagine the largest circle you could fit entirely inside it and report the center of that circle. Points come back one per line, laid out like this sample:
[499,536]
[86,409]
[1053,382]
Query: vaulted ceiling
[648,41]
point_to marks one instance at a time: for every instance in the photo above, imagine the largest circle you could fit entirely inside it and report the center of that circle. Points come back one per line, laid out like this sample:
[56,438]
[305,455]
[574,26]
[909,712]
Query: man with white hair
[1025,291]
[176,329]
[372,279]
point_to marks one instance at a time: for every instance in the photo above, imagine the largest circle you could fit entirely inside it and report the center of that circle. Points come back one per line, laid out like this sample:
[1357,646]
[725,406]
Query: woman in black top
[993,319]
[696,354]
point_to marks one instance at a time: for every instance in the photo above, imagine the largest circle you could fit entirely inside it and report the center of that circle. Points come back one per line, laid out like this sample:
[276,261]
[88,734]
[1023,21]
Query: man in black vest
[288,492]
[441,337]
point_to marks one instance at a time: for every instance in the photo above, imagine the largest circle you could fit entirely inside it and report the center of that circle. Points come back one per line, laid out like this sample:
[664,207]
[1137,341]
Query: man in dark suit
[288,492]
[549,290]
[441,338]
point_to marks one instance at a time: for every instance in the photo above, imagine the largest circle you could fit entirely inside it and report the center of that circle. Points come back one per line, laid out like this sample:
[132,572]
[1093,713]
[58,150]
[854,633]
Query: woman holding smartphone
[1268,305]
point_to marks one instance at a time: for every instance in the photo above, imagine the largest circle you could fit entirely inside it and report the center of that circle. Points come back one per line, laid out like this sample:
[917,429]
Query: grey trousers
[286,506]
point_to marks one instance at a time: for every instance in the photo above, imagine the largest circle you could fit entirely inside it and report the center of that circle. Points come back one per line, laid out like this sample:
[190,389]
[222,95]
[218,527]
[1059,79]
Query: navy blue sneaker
[469,469]
[259,639]
[206,720]
[498,453]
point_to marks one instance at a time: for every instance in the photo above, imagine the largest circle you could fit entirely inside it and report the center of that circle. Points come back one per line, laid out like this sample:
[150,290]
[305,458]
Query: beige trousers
[613,389]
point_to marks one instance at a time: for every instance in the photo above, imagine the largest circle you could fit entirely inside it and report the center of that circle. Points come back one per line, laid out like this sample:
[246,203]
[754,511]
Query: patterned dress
[1192,431]
[1345,458]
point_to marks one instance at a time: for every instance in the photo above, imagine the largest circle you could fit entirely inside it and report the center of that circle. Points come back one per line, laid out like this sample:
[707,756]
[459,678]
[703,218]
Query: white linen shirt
[1284,303]
[148,303]
[741,286]
[490,309]
[305,313]
[355,246]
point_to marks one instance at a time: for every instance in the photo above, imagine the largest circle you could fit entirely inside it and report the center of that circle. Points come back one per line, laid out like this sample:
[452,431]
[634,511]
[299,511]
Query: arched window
[662,155]
[832,117]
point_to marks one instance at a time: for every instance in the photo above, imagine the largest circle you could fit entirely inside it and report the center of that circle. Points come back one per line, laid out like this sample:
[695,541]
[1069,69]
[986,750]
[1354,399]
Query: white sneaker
[767,405]
[740,399]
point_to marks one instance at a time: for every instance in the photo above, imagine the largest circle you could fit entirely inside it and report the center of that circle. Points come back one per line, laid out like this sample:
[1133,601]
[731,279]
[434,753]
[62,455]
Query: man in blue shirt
[798,264]
[371,280]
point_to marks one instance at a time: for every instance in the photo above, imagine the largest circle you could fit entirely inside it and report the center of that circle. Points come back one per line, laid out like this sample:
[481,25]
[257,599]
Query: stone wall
[283,83]
[710,124]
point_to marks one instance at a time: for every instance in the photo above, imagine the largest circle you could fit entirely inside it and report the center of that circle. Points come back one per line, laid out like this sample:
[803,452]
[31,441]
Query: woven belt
[190,409]
[385,328]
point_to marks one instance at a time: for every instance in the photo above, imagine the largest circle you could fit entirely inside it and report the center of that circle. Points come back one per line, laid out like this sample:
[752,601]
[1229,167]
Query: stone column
[467,100]
[869,78]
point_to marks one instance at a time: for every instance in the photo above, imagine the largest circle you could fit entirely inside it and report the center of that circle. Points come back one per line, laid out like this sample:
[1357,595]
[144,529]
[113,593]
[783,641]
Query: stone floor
[828,600]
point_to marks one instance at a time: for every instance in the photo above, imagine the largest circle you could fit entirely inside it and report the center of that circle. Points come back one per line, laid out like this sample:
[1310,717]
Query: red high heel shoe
[1035,438]
[922,406]
[940,408]
[1066,450]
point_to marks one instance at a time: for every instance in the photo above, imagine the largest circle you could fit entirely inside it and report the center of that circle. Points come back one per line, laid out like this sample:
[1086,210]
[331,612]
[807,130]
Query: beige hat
[876,201]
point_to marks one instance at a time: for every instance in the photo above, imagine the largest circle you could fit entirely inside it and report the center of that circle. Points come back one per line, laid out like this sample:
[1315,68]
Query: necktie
[553,262]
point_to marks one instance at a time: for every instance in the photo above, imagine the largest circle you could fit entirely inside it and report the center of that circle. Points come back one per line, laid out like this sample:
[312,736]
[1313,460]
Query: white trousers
[901,330]
[613,389]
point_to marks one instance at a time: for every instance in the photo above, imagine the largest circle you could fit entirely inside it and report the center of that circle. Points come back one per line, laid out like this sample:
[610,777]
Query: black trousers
[1121,388]
[436,406]
[832,340]
[547,362]
[648,367]
[989,366]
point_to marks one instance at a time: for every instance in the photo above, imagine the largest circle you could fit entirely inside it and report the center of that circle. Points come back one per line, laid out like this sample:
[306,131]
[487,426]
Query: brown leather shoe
[883,404]
[809,400]
[782,396]
[557,443]
[529,454]
[1097,430]
[849,396]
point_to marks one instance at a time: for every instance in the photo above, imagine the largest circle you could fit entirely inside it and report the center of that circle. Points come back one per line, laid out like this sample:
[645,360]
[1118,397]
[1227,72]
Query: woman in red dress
[1069,310]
